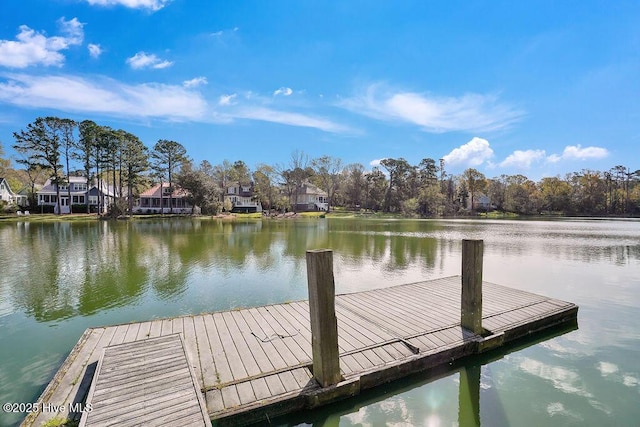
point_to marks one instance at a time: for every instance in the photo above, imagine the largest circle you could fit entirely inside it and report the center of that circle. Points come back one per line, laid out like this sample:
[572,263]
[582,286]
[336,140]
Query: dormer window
[167,190]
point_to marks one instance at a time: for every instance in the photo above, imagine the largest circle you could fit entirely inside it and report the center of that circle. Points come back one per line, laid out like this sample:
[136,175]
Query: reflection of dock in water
[257,363]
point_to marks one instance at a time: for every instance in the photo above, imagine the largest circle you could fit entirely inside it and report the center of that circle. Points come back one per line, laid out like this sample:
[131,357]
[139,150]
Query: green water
[58,279]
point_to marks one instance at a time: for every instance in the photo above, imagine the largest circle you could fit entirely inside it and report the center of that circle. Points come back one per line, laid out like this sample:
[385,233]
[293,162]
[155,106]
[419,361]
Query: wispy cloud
[94,50]
[103,95]
[576,152]
[227,99]
[34,48]
[250,105]
[284,91]
[289,118]
[375,162]
[470,112]
[109,97]
[195,82]
[473,153]
[153,5]
[523,159]
[144,60]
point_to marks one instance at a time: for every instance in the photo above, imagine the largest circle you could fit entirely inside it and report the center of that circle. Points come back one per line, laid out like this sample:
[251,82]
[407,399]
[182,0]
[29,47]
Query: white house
[242,198]
[7,195]
[99,196]
[481,202]
[309,197]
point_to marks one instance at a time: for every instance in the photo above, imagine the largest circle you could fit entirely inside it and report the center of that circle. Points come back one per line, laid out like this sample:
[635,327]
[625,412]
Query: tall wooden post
[471,316]
[322,311]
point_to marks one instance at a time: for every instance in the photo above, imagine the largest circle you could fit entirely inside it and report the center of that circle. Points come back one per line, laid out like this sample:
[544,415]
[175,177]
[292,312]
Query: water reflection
[469,396]
[61,270]
[462,393]
[57,279]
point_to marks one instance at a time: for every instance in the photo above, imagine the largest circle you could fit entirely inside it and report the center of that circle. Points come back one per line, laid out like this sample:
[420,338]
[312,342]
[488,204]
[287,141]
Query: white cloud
[133,4]
[73,31]
[607,368]
[523,159]
[471,112]
[576,152]
[227,99]
[248,105]
[285,91]
[375,162]
[195,82]
[94,50]
[33,48]
[473,153]
[103,95]
[142,60]
[289,118]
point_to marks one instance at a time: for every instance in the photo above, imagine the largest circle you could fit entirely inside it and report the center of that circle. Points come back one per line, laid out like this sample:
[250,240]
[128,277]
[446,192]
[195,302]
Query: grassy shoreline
[5,218]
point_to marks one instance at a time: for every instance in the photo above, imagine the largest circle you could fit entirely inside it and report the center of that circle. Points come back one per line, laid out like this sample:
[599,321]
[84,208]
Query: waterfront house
[156,200]
[75,191]
[242,198]
[481,202]
[309,197]
[7,195]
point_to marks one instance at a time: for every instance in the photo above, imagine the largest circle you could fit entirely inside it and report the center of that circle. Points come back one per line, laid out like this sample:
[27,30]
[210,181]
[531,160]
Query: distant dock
[255,364]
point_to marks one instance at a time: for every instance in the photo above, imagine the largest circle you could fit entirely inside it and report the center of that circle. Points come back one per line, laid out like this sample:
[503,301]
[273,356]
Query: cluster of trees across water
[55,147]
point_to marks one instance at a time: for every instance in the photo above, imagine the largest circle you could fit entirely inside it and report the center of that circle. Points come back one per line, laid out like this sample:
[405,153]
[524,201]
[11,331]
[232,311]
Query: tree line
[57,148]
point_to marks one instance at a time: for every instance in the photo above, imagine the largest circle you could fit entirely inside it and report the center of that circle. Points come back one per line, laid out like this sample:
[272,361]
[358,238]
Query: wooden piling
[322,312]
[471,306]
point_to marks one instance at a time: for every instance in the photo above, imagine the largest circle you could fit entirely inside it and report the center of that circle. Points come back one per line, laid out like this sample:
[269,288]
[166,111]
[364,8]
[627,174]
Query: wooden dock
[145,383]
[254,364]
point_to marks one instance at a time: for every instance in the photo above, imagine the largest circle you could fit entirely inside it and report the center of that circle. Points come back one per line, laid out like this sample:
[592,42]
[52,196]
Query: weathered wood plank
[156,329]
[295,341]
[177,325]
[191,347]
[207,363]
[122,393]
[214,401]
[246,359]
[238,369]
[143,331]
[132,332]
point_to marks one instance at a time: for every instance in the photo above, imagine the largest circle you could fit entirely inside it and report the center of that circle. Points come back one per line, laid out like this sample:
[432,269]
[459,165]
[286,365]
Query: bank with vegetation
[58,148]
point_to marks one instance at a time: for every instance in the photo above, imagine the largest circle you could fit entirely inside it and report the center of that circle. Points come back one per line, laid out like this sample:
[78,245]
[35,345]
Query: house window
[246,189]
[78,199]
[63,187]
[166,190]
[80,187]
[93,200]
[231,190]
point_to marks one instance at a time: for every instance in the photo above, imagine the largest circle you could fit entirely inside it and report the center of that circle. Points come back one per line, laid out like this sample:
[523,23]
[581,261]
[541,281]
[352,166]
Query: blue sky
[539,88]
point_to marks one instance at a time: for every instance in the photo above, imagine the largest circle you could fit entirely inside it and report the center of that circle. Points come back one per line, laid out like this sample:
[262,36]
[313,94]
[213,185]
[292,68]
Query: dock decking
[148,382]
[255,363]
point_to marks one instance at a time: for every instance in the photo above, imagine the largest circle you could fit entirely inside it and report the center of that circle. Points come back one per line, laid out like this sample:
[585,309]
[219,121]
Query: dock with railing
[254,364]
